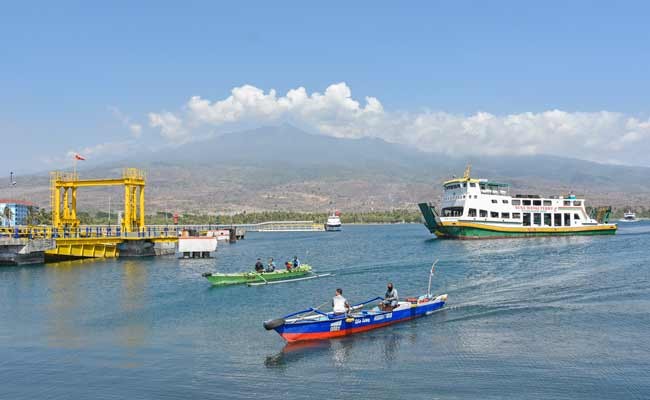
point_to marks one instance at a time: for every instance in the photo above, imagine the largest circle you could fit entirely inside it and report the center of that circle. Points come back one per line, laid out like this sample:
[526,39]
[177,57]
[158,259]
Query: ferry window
[567,219]
[537,202]
[452,211]
[472,184]
[505,215]
[505,201]
[482,186]
[557,219]
[526,221]
[471,212]
[577,203]
[475,196]
[516,215]
[547,202]
[537,219]
[494,214]
[516,202]
[576,217]
[494,201]
[567,203]
[482,213]
[526,202]
[464,184]
[547,219]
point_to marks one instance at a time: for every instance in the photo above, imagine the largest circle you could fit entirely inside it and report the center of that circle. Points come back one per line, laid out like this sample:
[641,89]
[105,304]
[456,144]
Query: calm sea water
[526,318]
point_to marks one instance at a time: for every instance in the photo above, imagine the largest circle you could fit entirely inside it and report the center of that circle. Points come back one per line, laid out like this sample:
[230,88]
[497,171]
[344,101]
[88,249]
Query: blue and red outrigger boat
[311,324]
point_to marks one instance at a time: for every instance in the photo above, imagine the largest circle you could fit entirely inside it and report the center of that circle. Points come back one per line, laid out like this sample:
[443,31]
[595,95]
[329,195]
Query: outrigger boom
[288,280]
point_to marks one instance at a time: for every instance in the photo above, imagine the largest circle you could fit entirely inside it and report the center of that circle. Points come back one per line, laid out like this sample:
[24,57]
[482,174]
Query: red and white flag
[78,156]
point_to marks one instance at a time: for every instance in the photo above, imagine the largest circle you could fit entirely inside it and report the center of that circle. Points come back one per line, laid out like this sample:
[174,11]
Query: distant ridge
[284,168]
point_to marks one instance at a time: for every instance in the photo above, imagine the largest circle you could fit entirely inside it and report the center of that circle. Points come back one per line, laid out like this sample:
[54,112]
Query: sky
[464,78]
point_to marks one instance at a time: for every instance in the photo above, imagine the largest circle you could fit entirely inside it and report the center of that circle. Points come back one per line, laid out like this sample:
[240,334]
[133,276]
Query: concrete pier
[20,251]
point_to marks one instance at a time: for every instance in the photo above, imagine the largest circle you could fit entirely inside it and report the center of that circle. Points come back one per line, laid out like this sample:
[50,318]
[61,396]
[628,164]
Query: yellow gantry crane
[64,187]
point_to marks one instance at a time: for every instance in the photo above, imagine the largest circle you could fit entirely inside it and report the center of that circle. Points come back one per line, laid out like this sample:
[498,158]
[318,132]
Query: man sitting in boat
[259,267]
[390,299]
[296,263]
[271,266]
[339,303]
[287,265]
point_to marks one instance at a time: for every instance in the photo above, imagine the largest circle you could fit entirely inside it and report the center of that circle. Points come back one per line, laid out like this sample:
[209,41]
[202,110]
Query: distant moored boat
[333,223]
[629,216]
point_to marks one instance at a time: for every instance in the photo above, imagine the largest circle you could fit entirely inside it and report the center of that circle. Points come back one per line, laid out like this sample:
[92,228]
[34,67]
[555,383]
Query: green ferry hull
[473,230]
[254,277]
[451,232]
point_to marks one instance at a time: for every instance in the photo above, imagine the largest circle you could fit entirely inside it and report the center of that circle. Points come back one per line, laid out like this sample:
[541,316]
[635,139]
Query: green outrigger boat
[254,278]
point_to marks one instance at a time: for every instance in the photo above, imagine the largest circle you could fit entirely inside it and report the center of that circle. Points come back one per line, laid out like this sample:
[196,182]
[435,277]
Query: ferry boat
[629,216]
[479,208]
[333,223]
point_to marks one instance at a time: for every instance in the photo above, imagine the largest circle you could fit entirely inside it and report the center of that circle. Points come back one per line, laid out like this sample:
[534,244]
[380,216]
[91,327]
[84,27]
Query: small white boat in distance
[333,223]
[629,216]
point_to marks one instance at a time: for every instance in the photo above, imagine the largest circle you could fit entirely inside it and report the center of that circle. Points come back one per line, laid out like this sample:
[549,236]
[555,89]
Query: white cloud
[99,152]
[134,128]
[171,127]
[600,135]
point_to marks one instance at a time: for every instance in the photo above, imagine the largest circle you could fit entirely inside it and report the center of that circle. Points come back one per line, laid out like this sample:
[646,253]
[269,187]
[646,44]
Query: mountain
[284,168]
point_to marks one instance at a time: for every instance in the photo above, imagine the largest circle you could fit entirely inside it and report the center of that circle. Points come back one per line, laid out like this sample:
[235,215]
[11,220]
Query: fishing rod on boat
[433,268]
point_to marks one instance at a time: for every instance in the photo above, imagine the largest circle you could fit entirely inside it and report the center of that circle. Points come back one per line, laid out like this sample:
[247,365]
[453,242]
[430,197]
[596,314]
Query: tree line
[44,217]
[41,216]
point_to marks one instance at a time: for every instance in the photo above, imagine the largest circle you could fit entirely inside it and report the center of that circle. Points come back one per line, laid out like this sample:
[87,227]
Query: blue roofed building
[14,212]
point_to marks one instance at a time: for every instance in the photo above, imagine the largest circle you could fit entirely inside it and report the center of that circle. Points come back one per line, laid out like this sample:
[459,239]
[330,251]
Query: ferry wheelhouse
[479,208]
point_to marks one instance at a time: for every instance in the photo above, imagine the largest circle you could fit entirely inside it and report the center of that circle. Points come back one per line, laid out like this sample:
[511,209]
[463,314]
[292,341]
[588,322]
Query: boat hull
[476,231]
[253,277]
[334,327]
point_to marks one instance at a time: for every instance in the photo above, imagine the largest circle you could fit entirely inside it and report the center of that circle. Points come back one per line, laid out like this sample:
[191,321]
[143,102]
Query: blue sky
[74,76]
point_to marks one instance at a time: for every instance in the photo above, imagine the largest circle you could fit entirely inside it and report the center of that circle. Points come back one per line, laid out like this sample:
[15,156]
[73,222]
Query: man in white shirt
[339,303]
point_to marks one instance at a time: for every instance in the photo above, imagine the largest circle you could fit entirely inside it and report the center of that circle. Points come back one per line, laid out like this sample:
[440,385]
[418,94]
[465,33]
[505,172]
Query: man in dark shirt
[391,298]
[259,267]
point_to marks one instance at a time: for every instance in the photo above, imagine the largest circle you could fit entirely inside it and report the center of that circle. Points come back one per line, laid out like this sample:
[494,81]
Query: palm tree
[30,218]
[8,215]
